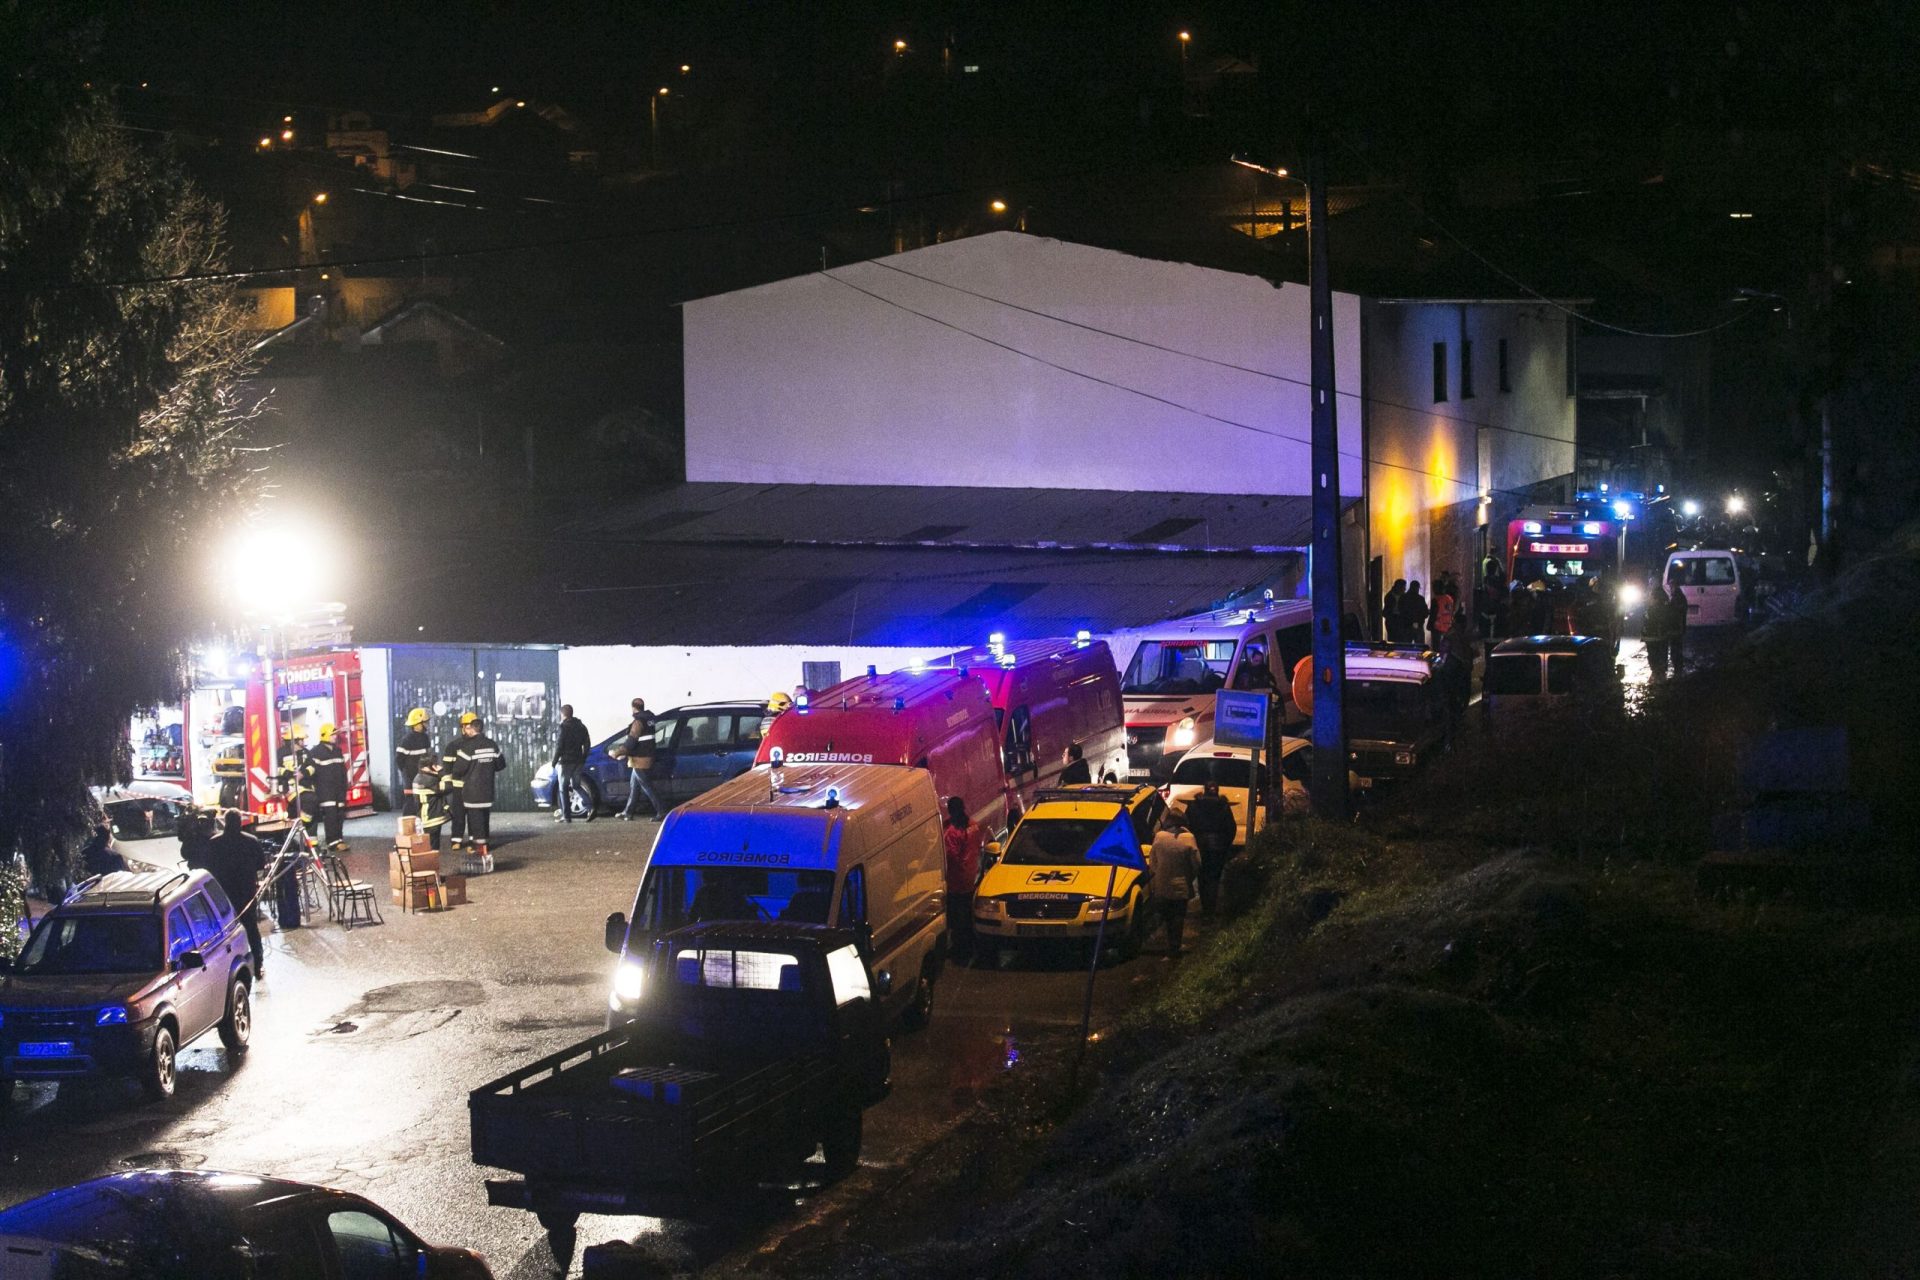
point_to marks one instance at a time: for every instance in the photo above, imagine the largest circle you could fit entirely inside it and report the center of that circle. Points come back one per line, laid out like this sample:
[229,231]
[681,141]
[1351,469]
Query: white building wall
[601,681]
[813,381]
[1432,459]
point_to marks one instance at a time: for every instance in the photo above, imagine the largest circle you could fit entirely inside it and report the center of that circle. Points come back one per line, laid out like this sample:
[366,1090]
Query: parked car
[1397,712]
[696,748]
[1042,888]
[1719,586]
[118,979]
[145,809]
[1232,768]
[1546,671]
[180,1224]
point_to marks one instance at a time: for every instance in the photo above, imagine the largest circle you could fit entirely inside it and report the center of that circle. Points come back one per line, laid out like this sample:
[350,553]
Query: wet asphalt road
[366,1042]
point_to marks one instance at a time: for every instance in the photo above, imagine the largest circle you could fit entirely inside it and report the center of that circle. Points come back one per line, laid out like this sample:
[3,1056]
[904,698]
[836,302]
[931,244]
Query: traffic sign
[1240,719]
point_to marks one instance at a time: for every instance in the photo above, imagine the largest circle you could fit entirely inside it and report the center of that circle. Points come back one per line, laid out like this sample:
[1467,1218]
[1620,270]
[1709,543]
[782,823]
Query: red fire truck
[228,714]
[1560,551]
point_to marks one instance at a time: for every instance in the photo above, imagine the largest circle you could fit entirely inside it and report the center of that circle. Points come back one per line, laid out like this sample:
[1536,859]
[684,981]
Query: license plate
[47,1049]
[1036,930]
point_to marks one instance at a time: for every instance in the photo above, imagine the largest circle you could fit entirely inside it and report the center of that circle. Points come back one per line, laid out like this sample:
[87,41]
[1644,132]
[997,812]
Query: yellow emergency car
[1042,887]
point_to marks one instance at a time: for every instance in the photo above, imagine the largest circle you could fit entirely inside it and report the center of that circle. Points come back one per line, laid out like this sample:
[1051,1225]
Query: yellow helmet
[779,702]
[467,718]
[416,717]
[326,733]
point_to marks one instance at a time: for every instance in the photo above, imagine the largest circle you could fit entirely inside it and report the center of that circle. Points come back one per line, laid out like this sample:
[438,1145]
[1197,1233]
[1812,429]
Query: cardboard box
[425,861]
[408,825]
[421,894]
[453,889]
[417,841]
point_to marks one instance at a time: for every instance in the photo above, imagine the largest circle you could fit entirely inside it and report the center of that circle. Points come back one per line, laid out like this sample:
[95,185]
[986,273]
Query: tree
[122,435]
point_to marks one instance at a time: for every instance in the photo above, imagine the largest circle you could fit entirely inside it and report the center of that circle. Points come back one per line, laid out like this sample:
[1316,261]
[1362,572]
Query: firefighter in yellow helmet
[476,759]
[291,779]
[415,749]
[326,774]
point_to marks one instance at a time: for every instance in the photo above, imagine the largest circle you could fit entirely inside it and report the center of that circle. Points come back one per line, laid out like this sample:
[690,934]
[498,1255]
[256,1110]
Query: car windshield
[677,896]
[1190,666]
[1512,673]
[1053,842]
[90,942]
[1228,771]
[1387,710]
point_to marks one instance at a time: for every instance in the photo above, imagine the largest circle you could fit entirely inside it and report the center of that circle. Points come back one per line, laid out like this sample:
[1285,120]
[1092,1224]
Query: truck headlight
[1106,906]
[1631,597]
[1183,733]
[629,981]
[989,906]
[1403,757]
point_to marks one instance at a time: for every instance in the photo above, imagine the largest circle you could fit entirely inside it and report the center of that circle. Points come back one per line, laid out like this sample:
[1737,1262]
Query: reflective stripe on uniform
[485,804]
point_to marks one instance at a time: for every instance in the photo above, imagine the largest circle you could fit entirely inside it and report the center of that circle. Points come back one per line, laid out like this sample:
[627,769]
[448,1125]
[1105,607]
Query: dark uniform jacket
[235,859]
[475,761]
[326,774]
[429,800]
[415,746]
[1077,771]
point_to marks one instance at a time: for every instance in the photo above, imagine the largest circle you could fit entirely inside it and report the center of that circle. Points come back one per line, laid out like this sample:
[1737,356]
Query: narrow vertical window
[1506,383]
[1466,368]
[1439,372]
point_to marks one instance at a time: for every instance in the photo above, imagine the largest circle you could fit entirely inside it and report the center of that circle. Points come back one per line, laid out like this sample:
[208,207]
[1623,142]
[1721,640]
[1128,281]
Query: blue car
[695,748]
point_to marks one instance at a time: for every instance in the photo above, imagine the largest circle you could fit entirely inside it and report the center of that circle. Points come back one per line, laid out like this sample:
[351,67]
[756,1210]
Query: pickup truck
[753,1044]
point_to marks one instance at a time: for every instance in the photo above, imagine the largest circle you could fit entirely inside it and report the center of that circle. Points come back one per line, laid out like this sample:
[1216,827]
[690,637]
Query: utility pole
[1330,799]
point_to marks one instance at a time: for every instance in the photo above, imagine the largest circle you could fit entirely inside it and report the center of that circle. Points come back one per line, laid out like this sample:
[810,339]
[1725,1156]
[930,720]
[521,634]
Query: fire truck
[230,716]
[1561,550]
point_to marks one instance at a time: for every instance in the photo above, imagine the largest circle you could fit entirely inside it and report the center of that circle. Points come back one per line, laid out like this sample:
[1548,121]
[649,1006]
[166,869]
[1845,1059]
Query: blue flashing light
[777,756]
[112,1016]
[1082,639]
[1531,526]
[916,667]
[1603,486]
[997,640]
[802,703]
[1623,509]
[899,704]
[833,798]
[1006,659]
[873,672]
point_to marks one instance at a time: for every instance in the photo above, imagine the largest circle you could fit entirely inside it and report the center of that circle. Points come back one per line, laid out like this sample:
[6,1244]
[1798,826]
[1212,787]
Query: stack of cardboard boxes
[413,873]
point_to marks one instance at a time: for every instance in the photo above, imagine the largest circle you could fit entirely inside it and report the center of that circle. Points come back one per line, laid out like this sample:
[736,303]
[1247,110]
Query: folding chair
[353,900]
[419,890]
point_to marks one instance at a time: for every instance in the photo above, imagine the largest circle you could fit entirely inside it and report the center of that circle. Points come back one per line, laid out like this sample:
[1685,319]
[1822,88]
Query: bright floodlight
[1736,504]
[1689,508]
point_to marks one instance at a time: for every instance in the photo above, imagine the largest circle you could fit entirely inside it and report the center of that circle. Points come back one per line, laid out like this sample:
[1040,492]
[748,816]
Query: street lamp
[319,197]
[1186,39]
[1689,508]
[1736,504]
[286,135]
[653,123]
[998,206]
[899,48]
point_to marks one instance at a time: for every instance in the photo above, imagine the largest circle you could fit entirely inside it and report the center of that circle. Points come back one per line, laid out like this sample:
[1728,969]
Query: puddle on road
[415,997]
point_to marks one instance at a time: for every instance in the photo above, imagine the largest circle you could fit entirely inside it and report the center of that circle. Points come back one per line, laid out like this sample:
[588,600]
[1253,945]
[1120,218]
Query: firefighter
[451,783]
[230,767]
[326,778]
[291,775]
[415,749]
[475,762]
[429,799]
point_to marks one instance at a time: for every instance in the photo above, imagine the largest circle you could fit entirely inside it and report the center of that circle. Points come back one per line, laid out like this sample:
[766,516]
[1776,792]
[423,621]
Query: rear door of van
[1712,584]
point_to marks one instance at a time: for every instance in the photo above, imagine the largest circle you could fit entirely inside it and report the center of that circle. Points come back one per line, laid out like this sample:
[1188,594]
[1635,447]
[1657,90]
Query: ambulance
[856,846]
[1048,695]
[940,720]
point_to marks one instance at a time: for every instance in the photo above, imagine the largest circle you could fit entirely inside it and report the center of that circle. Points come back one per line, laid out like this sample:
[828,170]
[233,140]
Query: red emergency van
[1048,695]
[940,720]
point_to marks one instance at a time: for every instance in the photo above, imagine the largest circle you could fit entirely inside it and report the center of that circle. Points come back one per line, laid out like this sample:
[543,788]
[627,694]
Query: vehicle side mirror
[190,960]
[882,982]
[991,854]
[616,931]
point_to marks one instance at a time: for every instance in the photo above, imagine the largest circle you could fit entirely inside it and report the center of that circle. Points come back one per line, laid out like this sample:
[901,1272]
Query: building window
[1506,384]
[1439,372]
[1466,368]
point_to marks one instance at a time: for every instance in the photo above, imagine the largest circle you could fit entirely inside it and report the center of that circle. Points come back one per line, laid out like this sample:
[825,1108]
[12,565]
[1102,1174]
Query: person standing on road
[196,833]
[1444,603]
[476,762]
[1413,615]
[1210,817]
[569,757]
[429,795]
[964,839]
[415,749]
[326,776]
[1390,611]
[235,860]
[638,753]
[1653,629]
[1676,627]
[1077,769]
[1174,868]
[451,785]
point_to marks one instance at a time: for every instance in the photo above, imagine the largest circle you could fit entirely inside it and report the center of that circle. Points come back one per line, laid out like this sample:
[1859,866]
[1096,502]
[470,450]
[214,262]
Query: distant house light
[286,135]
[1740,215]
[521,103]
[970,67]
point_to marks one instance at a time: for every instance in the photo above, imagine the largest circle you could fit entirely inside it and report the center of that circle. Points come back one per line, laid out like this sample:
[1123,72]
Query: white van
[1174,669]
[852,845]
[1716,585]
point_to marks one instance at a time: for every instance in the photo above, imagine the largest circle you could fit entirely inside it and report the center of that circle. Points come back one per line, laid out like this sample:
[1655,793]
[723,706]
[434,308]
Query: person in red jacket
[964,839]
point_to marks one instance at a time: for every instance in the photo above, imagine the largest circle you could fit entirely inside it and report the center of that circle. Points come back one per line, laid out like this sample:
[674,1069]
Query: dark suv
[122,976]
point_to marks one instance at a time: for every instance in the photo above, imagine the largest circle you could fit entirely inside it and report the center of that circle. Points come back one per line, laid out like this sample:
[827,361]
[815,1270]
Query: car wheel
[840,1144]
[920,1011]
[158,1078]
[237,1027]
[584,802]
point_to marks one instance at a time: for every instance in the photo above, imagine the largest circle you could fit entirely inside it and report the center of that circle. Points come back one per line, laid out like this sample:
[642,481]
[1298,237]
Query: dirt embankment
[1495,1029]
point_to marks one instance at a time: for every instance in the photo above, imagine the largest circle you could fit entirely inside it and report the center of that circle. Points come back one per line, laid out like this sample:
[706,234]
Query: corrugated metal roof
[811,564]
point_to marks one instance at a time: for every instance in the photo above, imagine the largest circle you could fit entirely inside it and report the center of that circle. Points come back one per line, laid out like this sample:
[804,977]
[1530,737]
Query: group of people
[1407,618]
[453,787]
[1665,627]
[635,750]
